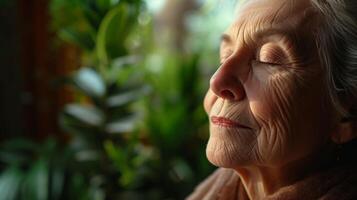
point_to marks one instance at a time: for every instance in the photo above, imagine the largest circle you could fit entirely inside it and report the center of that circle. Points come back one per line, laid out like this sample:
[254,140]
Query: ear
[345,132]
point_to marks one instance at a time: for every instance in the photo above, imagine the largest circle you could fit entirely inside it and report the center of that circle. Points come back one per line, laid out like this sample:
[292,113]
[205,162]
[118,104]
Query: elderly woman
[282,104]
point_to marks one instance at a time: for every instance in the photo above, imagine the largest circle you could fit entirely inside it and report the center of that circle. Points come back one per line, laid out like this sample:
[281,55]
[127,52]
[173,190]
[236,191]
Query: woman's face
[267,102]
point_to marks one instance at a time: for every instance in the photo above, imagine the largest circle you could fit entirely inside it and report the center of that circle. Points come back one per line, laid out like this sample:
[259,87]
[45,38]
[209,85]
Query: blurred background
[102,99]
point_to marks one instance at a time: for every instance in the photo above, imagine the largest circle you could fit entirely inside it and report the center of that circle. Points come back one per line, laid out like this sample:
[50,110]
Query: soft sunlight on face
[267,101]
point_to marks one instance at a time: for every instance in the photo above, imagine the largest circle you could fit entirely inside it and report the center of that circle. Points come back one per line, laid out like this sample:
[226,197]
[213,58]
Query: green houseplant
[135,132]
[102,121]
[172,118]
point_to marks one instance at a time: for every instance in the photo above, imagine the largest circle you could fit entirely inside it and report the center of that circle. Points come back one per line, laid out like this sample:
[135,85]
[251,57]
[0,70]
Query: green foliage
[174,104]
[99,27]
[137,127]
[108,151]
[103,130]
[10,183]
[176,125]
[31,171]
[113,29]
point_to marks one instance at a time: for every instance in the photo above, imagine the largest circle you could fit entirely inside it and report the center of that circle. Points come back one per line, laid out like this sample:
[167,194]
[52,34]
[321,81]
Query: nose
[227,85]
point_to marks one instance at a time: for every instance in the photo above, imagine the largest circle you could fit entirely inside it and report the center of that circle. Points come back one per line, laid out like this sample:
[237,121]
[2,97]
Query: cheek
[271,102]
[264,89]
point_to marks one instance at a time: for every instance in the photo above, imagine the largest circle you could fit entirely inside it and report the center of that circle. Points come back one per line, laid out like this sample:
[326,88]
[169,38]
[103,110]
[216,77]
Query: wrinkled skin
[273,83]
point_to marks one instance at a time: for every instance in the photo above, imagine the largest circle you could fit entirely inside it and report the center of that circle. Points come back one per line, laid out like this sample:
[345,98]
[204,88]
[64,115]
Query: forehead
[284,8]
[284,15]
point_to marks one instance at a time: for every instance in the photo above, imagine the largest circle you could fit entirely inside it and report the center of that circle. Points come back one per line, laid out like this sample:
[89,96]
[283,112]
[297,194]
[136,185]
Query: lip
[225,122]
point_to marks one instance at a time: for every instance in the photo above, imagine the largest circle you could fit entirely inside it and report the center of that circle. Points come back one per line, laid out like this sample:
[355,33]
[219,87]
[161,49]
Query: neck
[262,181]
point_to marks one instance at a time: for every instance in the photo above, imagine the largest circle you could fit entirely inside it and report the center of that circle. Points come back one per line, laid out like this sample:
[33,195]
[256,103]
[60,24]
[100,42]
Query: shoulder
[222,184]
[336,183]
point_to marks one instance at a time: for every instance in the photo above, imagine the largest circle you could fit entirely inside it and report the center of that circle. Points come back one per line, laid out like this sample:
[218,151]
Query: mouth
[221,121]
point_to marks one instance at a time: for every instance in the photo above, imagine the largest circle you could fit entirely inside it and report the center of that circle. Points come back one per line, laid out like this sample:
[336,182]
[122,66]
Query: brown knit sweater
[339,183]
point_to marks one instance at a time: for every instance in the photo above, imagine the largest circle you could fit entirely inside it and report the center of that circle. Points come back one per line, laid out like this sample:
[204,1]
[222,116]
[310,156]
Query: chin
[220,159]
[226,152]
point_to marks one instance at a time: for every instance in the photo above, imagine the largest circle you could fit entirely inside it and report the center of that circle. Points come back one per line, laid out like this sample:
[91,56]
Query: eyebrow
[226,38]
[263,33]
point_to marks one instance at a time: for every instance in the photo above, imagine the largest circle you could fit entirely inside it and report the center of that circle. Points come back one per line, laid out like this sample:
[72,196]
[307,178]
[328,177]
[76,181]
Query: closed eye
[266,63]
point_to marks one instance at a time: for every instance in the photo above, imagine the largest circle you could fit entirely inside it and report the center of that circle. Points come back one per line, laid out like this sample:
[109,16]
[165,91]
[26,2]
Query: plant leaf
[104,4]
[10,181]
[83,40]
[19,144]
[88,115]
[126,97]
[117,66]
[57,182]
[112,33]
[36,183]
[122,126]
[90,82]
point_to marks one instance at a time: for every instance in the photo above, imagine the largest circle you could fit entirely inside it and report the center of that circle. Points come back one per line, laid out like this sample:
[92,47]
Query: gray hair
[336,39]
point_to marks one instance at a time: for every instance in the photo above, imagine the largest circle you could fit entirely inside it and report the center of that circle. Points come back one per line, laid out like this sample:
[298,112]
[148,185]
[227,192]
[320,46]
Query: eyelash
[267,63]
[260,62]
